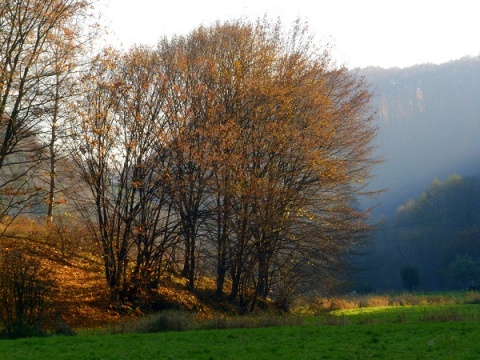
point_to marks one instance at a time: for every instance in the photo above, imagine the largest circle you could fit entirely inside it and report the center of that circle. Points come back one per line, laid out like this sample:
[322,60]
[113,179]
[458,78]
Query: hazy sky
[383,33]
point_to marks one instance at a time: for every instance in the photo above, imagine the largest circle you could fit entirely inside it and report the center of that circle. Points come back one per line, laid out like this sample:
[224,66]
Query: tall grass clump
[168,320]
[472,297]
[177,320]
[251,321]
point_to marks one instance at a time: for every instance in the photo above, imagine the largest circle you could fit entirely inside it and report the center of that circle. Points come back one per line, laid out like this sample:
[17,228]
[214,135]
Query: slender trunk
[239,259]
[222,231]
[191,275]
[53,140]
[4,150]
[221,270]
[189,266]
[262,275]
[235,286]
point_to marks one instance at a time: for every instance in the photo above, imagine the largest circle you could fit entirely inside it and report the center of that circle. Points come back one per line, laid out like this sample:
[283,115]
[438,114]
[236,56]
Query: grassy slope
[444,332]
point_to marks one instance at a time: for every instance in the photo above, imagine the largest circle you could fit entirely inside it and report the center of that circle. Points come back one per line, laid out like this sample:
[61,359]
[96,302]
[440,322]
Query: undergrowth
[177,320]
[324,305]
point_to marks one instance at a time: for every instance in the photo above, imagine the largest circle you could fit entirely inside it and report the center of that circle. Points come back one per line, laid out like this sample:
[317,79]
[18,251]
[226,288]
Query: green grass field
[400,332]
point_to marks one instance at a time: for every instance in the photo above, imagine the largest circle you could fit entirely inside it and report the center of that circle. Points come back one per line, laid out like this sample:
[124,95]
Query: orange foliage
[82,296]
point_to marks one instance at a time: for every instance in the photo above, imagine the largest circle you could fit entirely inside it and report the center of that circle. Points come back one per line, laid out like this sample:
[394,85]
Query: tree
[27,80]
[430,231]
[119,150]
[189,165]
[248,141]
[66,49]
[410,277]
[464,270]
[285,131]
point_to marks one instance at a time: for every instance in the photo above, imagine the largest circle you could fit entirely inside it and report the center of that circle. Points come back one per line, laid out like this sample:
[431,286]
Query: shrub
[61,327]
[406,299]
[252,321]
[342,304]
[410,277]
[464,270]
[472,297]
[177,320]
[374,301]
[168,320]
[25,289]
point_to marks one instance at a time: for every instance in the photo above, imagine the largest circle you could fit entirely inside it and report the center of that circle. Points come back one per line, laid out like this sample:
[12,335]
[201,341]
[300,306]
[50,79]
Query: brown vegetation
[79,295]
[80,298]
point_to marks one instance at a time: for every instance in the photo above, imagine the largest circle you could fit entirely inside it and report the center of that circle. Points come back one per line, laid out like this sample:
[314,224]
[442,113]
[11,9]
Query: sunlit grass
[374,310]
[318,306]
[431,331]
[410,314]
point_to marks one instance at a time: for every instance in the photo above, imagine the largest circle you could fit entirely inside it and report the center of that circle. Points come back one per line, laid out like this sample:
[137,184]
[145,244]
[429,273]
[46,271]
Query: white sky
[383,33]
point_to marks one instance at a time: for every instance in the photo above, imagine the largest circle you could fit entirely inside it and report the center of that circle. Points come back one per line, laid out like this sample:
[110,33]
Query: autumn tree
[67,50]
[188,165]
[288,137]
[26,75]
[119,149]
[244,142]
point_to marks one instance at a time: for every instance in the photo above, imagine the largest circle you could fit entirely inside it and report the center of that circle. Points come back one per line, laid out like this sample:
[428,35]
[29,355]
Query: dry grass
[177,320]
[472,297]
[323,305]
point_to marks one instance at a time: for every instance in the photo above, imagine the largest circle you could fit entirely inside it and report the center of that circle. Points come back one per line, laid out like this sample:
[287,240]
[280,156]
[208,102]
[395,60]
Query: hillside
[79,297]
[429,124]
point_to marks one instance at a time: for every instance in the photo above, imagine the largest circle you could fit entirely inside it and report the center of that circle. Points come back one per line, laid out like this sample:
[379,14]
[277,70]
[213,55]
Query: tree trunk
[53,140]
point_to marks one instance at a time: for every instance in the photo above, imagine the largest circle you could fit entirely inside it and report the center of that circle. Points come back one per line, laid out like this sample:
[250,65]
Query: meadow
[439,327]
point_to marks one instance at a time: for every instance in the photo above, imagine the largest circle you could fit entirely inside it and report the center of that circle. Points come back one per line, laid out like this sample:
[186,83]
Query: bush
[410,277]
[177,320]
[251,321]
[168,320]
[472,297]
[25,289]
[464,271]
[374,301]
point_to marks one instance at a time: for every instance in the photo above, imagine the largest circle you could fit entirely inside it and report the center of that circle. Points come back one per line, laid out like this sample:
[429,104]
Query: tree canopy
[237,152]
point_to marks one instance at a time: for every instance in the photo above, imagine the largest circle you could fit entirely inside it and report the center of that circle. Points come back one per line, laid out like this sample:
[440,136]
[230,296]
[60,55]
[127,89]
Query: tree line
[437,233]
[237,152]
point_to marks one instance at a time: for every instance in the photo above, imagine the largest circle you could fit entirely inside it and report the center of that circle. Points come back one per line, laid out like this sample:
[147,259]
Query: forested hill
[429,126]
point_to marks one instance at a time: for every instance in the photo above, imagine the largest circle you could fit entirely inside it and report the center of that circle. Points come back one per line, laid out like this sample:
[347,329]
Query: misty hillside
[429,126]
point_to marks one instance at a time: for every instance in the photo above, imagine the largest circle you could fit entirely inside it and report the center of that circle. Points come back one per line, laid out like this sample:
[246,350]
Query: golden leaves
[233,124]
